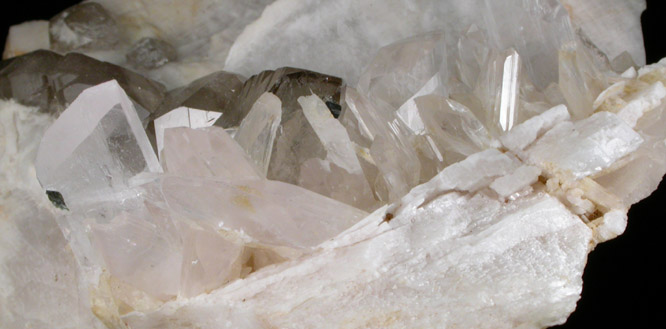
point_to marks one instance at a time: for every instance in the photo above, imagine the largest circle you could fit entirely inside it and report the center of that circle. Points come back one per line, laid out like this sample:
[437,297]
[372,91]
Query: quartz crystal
[52,82]
[213,92]
[83,26]
[179,117]
[419,164]
[106,147]
[256,133]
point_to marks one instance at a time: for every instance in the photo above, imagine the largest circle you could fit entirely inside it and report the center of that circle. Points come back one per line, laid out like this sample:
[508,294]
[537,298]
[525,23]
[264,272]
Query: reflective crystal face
[417,164]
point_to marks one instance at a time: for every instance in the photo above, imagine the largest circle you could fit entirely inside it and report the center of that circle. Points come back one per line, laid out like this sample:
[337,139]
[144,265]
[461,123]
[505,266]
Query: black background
[624,282]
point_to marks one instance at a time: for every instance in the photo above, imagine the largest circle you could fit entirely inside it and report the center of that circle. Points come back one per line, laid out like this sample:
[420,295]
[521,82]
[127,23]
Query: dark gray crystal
[295,141]
[76,72]
[57,200]
[150,53]
[27,79]
[214,92]
[51,81]
[286,83]
[86,26]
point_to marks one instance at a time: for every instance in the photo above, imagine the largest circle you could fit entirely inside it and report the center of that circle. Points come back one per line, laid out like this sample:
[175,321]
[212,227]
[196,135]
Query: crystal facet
[92,151]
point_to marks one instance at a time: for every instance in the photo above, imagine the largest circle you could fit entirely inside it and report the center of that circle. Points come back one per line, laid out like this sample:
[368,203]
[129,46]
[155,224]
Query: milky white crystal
[26,37]
[39,276]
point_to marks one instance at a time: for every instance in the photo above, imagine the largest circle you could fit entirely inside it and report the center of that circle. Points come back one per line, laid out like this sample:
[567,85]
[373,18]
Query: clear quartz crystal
[91,151]
[454,129]
[181,117]
[580,81]
[499,90]
[256,133]
[388,144]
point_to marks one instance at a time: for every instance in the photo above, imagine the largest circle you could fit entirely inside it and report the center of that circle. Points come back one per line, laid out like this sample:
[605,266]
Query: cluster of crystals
[174,189]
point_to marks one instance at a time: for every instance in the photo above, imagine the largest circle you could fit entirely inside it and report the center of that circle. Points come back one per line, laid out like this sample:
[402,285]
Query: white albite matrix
[460,181]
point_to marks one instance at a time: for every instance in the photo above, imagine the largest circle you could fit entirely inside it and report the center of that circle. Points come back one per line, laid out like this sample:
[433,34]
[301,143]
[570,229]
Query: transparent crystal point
[499,91]
[256,133]
[95,147]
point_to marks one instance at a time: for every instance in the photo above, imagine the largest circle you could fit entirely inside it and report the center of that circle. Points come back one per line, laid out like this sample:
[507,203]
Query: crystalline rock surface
[319,164]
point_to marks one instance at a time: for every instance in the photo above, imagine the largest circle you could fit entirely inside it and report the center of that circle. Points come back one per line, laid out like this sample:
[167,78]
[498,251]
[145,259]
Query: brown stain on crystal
[243,202]
[249,190]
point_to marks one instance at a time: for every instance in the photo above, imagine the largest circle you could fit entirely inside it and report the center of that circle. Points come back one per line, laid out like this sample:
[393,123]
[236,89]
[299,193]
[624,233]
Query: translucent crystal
[400,70]
[256,133]
[91,151]
[339,175]
[499,91]
[26,37]
[205,152]
[454,129]
[150,53]
[85,26]
[387,140]
[287,84]
[213,92]
[269,212]
[23,79]
[77,72]
[180,117]
[52,82]
[580,81]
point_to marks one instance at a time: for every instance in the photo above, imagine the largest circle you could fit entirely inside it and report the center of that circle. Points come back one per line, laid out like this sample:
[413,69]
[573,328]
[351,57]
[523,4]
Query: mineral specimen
[417,164]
